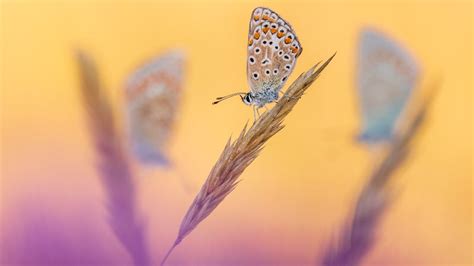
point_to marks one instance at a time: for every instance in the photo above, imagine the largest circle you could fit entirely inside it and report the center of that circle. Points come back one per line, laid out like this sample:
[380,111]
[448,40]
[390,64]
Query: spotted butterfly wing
[153,94]
[386,77]
[272,50]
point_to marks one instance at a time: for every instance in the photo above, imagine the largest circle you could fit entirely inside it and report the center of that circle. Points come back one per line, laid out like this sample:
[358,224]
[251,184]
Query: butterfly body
[386,77]
[266,94]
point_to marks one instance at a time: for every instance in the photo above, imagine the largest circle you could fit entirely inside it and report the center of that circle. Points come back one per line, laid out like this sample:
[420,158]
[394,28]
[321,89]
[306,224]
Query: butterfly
[272,51]
[153,93]
[386,77]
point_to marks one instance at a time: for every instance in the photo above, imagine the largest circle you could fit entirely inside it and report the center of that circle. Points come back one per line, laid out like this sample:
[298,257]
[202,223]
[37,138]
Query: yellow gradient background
[296,195]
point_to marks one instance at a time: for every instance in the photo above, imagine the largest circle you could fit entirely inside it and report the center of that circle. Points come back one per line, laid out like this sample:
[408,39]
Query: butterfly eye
[252,60]
[267,72]
[247,99]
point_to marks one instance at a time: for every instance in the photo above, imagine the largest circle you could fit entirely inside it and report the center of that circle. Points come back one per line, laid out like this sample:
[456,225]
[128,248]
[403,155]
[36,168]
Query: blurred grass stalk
[239,154]
[114,169]
[357,237]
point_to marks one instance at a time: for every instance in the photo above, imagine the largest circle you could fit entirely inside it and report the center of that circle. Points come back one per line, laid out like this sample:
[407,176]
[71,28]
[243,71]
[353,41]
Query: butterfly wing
[272,50]
[386,77]
[153,93]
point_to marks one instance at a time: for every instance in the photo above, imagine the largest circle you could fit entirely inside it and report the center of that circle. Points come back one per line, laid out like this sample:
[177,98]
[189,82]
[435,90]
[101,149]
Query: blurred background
[296,195]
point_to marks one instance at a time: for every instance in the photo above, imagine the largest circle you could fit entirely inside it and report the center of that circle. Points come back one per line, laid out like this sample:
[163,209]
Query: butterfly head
[247,98]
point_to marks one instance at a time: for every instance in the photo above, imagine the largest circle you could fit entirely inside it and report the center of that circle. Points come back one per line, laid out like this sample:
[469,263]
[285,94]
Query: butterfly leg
[254,113]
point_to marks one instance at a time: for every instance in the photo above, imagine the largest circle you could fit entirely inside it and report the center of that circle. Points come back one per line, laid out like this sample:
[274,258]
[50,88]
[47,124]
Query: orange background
[295,196]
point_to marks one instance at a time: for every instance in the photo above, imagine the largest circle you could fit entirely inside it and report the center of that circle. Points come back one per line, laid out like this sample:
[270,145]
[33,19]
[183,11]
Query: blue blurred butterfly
[153,94]
[386,77]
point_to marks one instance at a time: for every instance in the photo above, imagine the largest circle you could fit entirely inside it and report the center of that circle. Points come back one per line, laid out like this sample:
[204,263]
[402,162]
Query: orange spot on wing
[265,17]
[273,31]
[256,35]
[250,41]
[280,34]
[256,17]
[287,40]
[294,50]
[265,29]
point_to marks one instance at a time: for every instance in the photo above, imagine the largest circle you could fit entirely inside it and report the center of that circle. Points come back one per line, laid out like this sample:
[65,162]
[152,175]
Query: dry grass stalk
[358,235]
[239,154]
[115,171]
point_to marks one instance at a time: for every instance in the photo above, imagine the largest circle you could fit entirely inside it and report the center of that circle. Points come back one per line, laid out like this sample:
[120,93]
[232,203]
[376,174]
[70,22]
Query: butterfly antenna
[220,99]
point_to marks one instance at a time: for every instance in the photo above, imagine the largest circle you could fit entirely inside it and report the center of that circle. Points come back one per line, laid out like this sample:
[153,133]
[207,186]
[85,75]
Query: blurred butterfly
[271,57]
[153,93]
[386,77]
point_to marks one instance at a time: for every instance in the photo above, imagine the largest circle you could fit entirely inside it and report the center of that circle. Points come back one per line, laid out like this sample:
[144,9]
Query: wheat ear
[115,171]
[357,237]
[240,153]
